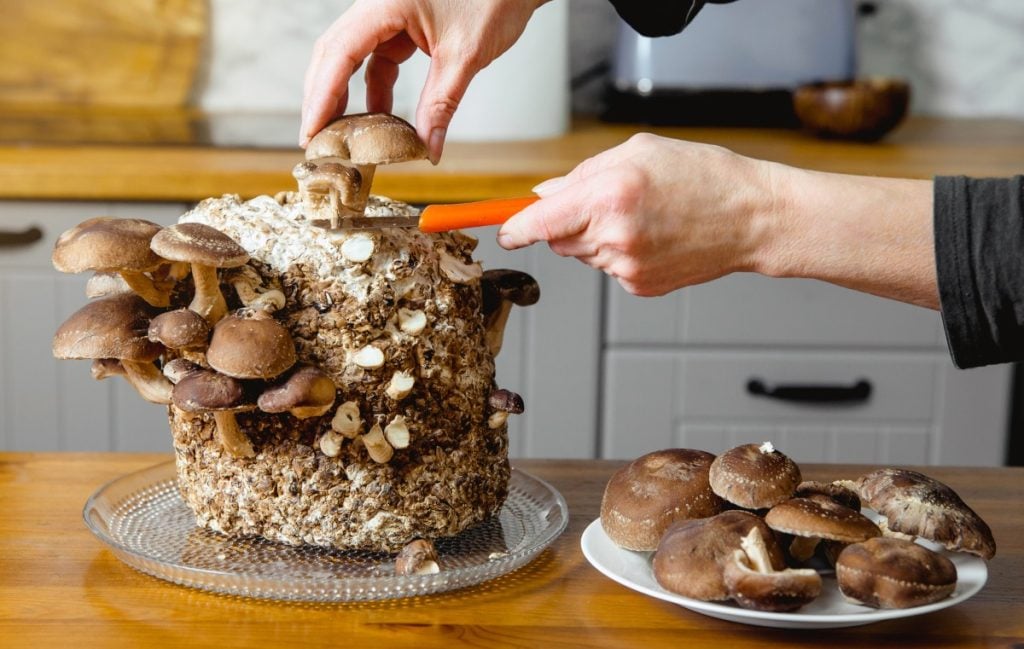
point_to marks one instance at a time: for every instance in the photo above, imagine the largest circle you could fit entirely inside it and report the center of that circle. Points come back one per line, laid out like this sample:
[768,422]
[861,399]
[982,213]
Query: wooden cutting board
[99,52]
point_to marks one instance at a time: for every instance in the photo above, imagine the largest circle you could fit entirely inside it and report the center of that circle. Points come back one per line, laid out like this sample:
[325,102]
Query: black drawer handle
[9,239]
[859,392]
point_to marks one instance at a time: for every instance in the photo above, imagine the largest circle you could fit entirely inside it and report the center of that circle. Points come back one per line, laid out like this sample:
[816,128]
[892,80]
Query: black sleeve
[660,17]
[979,256]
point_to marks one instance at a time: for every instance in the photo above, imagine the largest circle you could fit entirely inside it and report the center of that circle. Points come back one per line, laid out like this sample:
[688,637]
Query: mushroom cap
[306,387]
[367,139]
[505,284]
[754,476]
[253,347]
[198,243]
[110,327]
[830,490]
[178,368]
[506,401]
[915,504]
[644,498]
[690,559]
[782,590]
[179,329]
[206,391]
[894,573]
[107,244]
[823,519]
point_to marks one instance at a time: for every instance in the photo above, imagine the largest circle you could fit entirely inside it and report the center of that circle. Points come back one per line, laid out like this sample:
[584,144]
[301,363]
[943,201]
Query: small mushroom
[329,191]
[754,476]
[377,446]
[207,391]
[114,328]
[246,281]
[365,141]
[504,402]
[180,329]
[501,289]
[753,583]
[691,556]
[418,557]
[915,504]
[307,392]
[251,345]
[894,573]
[810,521]
[346,421]
[110,245]
[648,495]
[206,249]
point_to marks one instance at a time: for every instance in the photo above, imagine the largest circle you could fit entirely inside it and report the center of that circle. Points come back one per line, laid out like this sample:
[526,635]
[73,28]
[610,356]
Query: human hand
[655,213]
[461,39]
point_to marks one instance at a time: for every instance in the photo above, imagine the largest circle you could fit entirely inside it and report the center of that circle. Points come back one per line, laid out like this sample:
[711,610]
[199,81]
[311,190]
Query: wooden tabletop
[920,148]
[59,586]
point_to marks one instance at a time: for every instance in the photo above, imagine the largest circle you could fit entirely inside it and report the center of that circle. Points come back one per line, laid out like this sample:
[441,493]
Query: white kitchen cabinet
[677,371]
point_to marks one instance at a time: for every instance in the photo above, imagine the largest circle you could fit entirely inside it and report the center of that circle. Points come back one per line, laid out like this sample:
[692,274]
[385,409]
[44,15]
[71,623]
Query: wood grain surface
[59,586]
[473,171]
[82,52]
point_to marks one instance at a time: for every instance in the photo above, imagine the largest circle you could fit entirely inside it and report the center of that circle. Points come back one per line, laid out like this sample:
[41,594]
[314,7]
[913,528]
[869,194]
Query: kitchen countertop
[59,586]
[166,158]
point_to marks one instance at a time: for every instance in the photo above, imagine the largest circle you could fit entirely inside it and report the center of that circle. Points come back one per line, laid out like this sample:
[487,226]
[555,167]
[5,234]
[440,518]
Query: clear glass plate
[148,526]
[829,610]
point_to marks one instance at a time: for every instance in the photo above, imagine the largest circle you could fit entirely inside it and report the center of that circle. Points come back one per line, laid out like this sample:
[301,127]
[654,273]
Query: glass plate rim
[454,579]
[752,617]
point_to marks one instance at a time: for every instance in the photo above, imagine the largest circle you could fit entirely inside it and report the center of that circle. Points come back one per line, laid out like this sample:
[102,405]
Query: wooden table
[141,170]
[59,586]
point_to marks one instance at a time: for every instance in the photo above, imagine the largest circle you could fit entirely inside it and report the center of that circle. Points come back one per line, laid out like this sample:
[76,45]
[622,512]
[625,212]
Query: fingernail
[505,241]
[550,186]
[436,144]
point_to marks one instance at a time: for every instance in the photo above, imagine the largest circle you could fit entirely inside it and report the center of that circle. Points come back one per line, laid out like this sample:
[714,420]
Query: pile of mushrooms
[334,181]
[744,527]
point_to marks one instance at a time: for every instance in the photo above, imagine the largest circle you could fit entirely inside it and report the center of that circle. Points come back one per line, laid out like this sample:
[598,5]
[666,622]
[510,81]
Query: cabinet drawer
[649,396]
[749,309]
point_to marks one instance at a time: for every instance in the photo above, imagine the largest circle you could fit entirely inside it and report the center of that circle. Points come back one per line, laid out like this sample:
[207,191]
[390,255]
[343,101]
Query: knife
[442,218]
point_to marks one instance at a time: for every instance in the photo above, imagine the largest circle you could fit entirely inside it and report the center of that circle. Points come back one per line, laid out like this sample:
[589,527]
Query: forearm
[865,233]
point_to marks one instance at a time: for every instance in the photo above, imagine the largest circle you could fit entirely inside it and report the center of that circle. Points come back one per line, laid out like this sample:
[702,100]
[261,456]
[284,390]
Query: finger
[382,72]
[446,84]
[339,52]
[560,216]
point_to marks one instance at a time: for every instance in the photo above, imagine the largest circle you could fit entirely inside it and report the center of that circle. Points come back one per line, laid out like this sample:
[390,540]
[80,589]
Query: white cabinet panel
[746,309]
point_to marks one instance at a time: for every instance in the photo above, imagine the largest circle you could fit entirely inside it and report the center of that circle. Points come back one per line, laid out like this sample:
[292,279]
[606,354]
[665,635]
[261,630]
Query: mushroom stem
[104,368]
[365,180]
[208,300]
[802,547]
[145,288]
[231,437]
[148,381]
[495,327]
[335,208]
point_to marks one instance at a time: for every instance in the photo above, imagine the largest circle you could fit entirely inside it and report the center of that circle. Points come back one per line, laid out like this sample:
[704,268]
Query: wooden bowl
[865,109]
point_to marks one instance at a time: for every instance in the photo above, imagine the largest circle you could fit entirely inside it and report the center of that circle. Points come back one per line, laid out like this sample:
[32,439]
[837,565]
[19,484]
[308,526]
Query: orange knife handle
[442,218]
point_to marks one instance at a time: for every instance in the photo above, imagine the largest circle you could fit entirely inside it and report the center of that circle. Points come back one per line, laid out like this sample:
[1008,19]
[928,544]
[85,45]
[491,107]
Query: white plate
[830,610]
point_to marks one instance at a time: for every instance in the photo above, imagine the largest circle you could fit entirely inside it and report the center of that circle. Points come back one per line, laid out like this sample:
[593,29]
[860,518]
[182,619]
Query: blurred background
[143,107]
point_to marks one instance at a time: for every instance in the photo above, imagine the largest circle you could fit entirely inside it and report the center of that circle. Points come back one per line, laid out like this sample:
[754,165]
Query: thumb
[446,84]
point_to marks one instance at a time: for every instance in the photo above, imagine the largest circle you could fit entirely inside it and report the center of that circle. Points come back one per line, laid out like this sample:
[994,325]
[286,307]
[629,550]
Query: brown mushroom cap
[107,244]
[752,583]
[206,391]
[823,519]
[754,476]
[644,498]
[198,243]
[180,329]
[307,392]
[253,347]
[506,401]
[110,327]
[691,556]
[177,369]
[915,504]
[894,573]
[418,557]
[831,490]
[367,139]
[504,284]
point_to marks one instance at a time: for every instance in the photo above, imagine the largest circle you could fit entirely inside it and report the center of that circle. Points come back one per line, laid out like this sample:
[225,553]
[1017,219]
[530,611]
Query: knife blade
[442,218]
